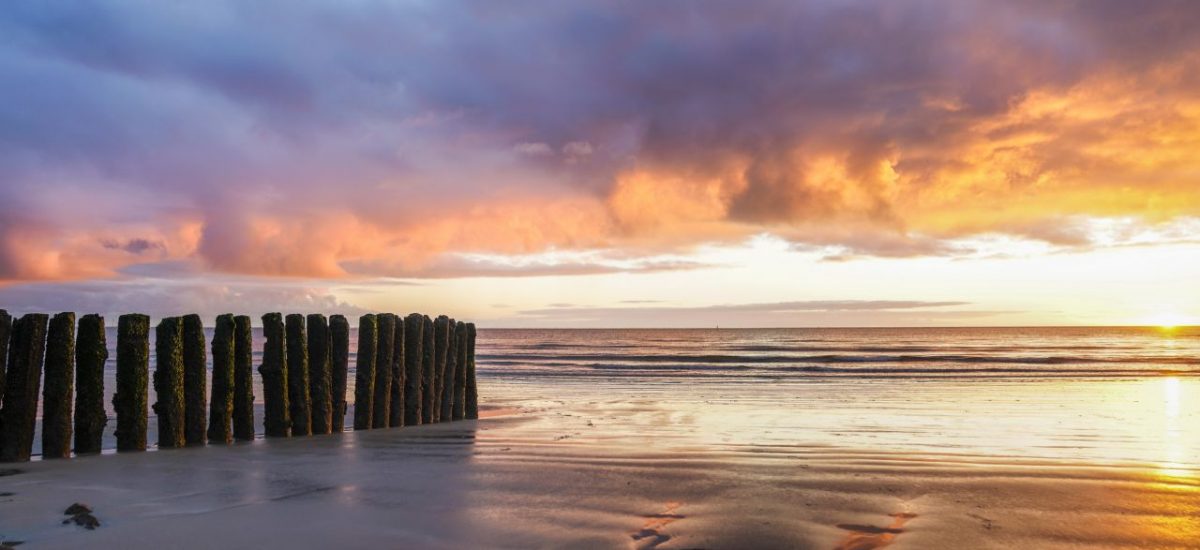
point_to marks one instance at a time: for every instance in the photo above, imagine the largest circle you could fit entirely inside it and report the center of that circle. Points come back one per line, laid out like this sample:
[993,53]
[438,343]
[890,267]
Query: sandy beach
[581,468]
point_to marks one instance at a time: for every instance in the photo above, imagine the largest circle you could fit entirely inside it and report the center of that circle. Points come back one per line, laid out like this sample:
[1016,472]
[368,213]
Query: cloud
[765,314]
[309,140]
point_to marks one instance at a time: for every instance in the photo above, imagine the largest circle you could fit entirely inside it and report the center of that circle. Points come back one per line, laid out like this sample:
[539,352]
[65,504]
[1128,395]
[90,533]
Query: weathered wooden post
[364,371]
[319,373]
[277,420]
[382,398]
[472,391]
[396,416]
[5,335]
[243,379]
[195,381]
[339,364]
[449,374]
[297,376]
[168,382]
[414,335]
[460,374]
[441,336]
[57,394]
[91,352]
[133,372]
[427,362]
[18,415]
[220,411]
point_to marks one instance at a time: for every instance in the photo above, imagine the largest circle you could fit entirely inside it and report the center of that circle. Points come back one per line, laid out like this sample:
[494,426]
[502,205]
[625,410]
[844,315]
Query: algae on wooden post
[472,391]
[319,374]
[460,373]
[441,336]
[297,376]
[220,410]
[427,364]
[364,371]
[447,399]
[195,381]
[5,335]
[57,389]
[168,382]
[382,396]
[276,415]
[414,388]
[91,353]
[133,370]
[339,363]
[18,415]
[396,410]
[243,379]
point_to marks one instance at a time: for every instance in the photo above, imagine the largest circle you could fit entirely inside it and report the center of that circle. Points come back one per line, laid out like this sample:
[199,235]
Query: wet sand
[563,474]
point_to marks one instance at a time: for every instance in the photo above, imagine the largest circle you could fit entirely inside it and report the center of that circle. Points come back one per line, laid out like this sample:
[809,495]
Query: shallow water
[1091,394]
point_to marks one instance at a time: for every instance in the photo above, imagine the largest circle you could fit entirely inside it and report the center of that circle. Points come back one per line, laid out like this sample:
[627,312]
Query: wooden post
[168,382]
[414,335]
[364,371]
[427,355]
[297,376]
[6,328]
[441,340]
[221,404]
[449,374]
[19,413]
[57,391]
[383,371]
[472,391]
[91,353]
[396,416]
[339,364]
[277,420]
[460,374]
[319,374]
[133,370]
[243,379]
[195,381]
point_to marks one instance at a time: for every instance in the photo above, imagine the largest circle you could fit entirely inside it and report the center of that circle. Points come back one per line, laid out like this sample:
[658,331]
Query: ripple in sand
[869,537]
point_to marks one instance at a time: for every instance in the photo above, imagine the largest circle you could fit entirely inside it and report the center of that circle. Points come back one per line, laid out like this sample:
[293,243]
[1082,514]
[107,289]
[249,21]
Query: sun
[1167,321]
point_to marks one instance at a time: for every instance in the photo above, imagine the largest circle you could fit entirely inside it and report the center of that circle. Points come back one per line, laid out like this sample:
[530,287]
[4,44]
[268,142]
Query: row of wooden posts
[409,370]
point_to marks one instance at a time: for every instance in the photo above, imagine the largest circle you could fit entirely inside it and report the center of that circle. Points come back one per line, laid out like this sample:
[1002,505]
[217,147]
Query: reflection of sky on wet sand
[1153,420]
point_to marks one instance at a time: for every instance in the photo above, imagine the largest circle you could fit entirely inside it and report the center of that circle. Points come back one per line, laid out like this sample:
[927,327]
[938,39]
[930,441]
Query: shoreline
[507,480]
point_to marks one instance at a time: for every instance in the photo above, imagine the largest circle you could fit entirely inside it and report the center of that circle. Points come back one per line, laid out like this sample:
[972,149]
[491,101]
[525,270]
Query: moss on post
[472,390]
[195,381]
[382,396]
[364,371]
[414,336]
[133,369]
[6,325]
[396,410]
[18,415]
[427,372]
[300,404]
[220,410]
[460,374]
[276,415]
[168,382]
[319,373]
[91,353]
[58,388]
[448,375]
[441,341]
[243,379]
[339,364]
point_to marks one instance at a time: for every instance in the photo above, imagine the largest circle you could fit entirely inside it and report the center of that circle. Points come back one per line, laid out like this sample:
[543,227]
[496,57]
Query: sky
[606,164]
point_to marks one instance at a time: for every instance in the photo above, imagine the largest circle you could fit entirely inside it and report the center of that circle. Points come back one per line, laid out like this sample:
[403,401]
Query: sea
[1127,395]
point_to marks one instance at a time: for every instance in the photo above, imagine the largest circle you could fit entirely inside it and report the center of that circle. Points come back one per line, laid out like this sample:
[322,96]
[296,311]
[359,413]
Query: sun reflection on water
[1174,449]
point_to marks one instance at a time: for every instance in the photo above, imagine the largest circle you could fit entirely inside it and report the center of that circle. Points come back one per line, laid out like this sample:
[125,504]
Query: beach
[633,460]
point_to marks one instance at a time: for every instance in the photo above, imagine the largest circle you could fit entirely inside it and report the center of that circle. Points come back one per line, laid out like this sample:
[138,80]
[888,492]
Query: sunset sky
[622,163]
